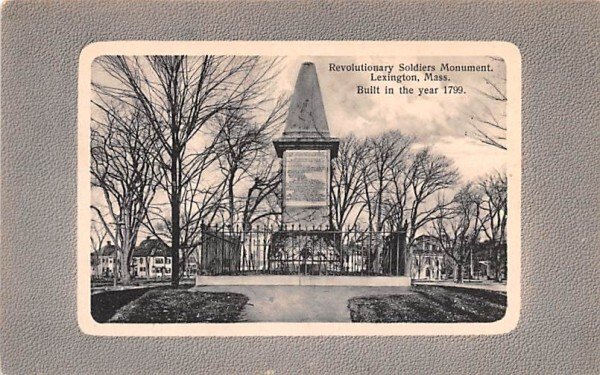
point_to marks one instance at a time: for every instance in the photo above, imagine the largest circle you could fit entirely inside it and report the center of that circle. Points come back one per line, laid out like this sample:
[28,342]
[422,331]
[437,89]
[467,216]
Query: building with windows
[103,262]
[151,260]
[427,259]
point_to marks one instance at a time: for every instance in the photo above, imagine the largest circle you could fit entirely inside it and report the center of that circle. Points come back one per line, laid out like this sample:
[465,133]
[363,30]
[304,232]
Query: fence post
[390,250]
[222,250]
[369,251]
[241,248]
[265,255]
[397,253]
[250,239]
[337,242]
[200,259]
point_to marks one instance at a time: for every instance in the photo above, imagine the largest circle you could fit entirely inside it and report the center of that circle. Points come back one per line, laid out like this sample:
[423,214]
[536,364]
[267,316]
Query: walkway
[112,288]
[485,285]
[300,303]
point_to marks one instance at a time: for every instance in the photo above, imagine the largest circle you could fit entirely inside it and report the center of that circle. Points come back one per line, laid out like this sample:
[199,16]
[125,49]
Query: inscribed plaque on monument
[307,177]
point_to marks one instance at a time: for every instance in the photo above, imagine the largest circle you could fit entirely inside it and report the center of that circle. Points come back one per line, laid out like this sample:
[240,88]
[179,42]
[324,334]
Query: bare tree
[457,227]
[347,183]
[261,203]
[414,185]
[494,207]
[489,120]
[179,96]
[383,152]
[242,141]
[97,237]
[123,168]
[201,203]
[429,174]
[263,197]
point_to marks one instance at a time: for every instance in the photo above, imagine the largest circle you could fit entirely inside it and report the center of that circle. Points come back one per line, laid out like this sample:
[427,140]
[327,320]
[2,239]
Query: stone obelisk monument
[307,149]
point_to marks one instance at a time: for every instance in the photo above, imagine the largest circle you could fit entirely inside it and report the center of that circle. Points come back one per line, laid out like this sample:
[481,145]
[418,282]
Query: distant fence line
[296,250]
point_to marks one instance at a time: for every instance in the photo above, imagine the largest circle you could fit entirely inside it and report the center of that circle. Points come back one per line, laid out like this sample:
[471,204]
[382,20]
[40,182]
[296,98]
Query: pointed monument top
[306,117]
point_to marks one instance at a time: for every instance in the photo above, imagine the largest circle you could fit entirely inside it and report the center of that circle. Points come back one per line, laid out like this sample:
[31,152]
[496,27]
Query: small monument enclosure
[306,243]
[306,148]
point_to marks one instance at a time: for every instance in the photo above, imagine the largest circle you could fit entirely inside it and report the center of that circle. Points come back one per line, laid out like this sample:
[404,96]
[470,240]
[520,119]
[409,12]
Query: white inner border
[509,52]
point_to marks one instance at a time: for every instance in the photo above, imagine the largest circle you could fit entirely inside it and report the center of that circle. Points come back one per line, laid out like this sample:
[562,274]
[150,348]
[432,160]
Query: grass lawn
[105,304]
[430,304]
[182,306]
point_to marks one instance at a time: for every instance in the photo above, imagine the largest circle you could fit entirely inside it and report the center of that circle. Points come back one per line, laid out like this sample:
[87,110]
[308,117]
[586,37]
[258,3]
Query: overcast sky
[440,121]
[437,120]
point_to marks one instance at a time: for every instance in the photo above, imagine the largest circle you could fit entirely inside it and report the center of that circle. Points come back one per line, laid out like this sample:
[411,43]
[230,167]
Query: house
[427,259]
[103,262]
[152,260]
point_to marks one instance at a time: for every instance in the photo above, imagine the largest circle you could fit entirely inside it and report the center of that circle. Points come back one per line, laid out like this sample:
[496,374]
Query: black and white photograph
[334,185]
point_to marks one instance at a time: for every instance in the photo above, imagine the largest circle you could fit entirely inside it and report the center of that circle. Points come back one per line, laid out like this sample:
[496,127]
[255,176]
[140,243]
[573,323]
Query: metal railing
[285,251]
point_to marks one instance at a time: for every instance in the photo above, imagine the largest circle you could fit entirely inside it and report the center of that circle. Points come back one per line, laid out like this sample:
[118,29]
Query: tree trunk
[407,261]
[459,273]
[471,266]
[124,267]
[379,243]
[378,251]
[126,250]
[231,198]
[498,265]
[175,214]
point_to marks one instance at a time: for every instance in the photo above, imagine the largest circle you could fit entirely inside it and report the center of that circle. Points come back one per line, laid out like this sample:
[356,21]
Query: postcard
[299,188]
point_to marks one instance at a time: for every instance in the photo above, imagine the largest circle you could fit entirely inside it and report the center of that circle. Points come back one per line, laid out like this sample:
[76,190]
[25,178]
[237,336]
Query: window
[167,270]
[141,260]
[142,269]
[158,260]
[168,260]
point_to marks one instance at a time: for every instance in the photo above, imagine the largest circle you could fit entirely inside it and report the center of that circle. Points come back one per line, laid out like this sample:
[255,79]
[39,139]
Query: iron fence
[227,251]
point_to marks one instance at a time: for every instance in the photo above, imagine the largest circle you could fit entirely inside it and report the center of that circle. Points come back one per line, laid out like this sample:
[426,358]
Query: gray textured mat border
[558,327]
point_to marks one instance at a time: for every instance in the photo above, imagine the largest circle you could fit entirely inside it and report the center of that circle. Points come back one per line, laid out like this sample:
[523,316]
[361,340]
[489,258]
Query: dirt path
[301,303]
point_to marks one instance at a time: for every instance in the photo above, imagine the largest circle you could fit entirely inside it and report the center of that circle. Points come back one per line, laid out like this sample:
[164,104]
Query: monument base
[306,218]
[308,280]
